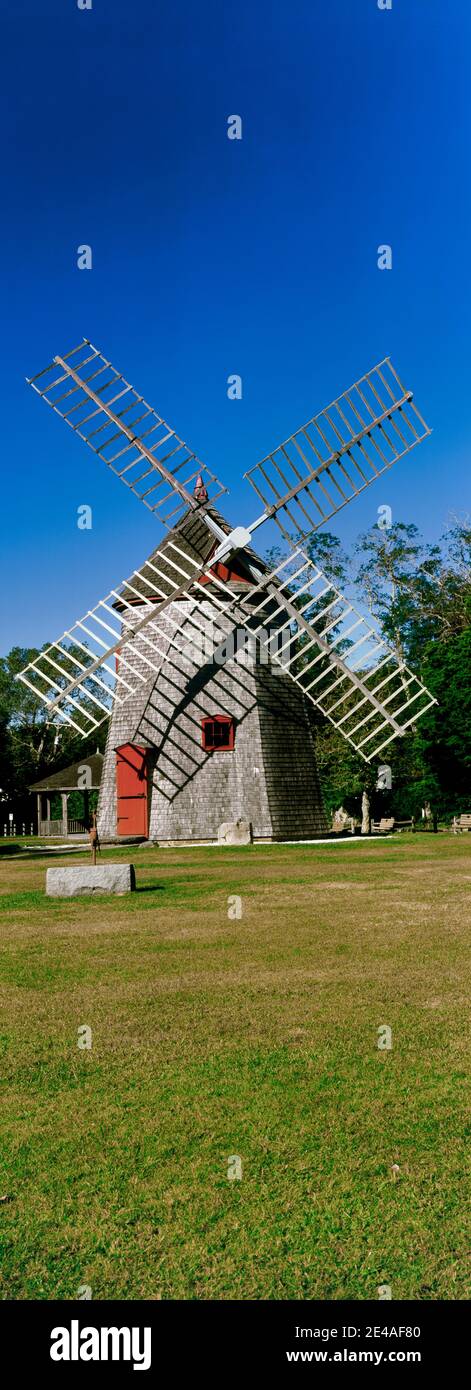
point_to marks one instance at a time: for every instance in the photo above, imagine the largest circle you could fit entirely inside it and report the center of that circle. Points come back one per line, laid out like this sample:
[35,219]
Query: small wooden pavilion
[83,777]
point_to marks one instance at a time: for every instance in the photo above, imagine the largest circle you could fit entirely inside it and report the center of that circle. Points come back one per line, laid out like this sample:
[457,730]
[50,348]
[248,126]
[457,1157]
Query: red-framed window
[218,733]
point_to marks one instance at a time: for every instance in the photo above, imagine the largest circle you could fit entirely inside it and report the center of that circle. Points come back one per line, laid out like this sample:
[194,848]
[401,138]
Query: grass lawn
[255,1038]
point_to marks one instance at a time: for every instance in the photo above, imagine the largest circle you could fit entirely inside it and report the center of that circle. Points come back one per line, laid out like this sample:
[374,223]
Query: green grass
[257,1038]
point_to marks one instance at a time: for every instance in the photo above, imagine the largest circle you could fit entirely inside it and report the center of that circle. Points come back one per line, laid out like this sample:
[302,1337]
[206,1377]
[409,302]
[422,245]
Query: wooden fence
[47,828]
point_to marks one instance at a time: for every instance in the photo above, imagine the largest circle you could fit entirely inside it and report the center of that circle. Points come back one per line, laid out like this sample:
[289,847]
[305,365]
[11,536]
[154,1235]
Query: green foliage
[343,773]
[418,593]
[325,550]
[420,597]
[443,742]
[30,744]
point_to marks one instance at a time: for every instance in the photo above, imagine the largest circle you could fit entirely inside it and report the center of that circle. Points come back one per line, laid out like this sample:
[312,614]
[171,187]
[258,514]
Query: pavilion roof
[67,780]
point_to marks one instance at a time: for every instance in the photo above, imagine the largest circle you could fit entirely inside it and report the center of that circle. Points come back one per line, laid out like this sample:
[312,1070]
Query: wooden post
[65,819]
[39,801]
[93,837]
[86,807]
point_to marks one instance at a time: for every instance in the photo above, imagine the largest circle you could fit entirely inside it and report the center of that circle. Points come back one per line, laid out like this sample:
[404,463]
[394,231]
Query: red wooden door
[131,789]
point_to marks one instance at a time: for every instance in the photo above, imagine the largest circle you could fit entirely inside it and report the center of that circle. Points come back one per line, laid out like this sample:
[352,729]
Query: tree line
[420,598]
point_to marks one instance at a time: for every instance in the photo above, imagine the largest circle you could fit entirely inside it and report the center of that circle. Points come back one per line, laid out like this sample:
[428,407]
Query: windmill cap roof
[195,539]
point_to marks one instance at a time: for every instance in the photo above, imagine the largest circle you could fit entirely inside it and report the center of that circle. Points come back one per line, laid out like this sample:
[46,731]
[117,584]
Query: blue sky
[213,257]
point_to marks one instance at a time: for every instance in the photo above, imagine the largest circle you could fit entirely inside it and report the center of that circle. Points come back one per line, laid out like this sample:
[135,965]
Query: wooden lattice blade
[339,453]
[337,658]
[312,633]
[120,644]
[126,433]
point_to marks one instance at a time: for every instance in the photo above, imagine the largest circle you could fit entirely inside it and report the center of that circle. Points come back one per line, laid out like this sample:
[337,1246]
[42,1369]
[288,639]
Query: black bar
[291,1339]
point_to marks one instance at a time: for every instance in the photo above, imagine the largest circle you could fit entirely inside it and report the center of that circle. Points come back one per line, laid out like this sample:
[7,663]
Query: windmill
[140,656]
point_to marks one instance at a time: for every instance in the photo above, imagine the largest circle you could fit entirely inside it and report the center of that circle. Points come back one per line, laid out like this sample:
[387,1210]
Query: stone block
[68,882]
[235,832]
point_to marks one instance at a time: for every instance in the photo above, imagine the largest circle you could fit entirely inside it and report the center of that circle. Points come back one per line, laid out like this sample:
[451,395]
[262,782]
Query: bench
[387,824]
[461,823]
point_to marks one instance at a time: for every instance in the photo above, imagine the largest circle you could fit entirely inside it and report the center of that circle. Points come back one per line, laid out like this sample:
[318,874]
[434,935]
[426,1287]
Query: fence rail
[11,828]
[51,827]
[62,827]
[47,828]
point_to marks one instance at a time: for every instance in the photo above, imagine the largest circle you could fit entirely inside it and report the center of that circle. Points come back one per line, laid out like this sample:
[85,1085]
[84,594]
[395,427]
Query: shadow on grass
[150,888]
[27,854]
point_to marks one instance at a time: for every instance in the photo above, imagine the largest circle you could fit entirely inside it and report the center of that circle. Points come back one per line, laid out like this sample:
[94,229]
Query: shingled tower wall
[270,776]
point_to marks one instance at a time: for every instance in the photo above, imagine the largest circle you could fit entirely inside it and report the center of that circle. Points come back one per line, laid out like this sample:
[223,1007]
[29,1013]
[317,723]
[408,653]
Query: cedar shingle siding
[270,777]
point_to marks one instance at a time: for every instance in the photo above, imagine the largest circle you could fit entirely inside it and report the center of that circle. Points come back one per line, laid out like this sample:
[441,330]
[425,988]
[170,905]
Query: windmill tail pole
[93,838]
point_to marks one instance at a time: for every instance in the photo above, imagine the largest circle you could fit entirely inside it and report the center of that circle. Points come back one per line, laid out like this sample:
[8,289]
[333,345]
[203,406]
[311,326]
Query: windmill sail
[337,658]
[343,449]
[112,650]
[126,433]
[334,655]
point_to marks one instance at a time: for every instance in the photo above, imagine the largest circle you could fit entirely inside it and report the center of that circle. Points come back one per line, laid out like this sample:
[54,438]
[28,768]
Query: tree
[31,743]
[325,550]
[420,597]
[418,593]
[443,741]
